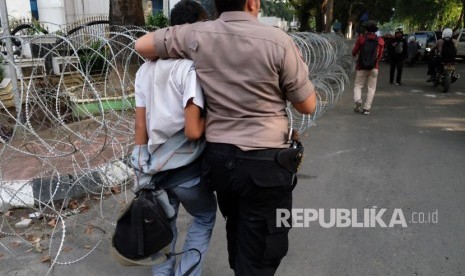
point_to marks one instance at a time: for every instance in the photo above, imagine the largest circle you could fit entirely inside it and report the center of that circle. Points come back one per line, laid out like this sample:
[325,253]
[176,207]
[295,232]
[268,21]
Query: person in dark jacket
[397,50]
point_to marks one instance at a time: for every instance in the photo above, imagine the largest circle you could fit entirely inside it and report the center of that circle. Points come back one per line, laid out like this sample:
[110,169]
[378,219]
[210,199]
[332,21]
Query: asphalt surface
[408,157]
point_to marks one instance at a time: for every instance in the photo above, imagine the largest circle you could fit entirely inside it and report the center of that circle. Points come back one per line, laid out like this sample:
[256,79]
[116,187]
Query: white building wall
[18,9]
[57,13]
[52,13]
[87,8]
[274,21]
[172,4]
[167,7]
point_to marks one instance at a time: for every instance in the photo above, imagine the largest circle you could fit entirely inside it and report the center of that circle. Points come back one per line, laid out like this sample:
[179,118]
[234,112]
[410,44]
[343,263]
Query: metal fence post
[9,48]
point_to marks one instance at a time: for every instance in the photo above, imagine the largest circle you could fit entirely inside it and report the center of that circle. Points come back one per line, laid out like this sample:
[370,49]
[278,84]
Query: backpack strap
[189,271]
[136,221]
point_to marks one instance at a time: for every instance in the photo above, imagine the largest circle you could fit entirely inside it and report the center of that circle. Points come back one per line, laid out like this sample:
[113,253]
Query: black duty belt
[232,150]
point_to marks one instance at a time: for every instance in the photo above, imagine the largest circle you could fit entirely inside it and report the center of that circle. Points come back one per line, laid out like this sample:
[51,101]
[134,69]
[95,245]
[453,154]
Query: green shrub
[93,59]
[158,20]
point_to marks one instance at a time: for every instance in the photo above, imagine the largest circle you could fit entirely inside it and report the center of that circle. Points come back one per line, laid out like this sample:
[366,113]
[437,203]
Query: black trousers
[250,186]
[396,63]
[434,65]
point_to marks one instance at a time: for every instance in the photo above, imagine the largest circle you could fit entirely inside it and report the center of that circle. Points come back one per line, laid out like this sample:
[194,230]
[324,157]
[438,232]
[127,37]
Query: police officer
[397,51]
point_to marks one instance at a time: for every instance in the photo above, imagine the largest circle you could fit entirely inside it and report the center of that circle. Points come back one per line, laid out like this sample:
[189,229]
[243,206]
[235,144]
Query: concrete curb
[30,193]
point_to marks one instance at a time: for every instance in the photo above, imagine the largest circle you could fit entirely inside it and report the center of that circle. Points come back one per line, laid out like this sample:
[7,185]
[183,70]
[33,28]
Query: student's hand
[140,158]
[141,180]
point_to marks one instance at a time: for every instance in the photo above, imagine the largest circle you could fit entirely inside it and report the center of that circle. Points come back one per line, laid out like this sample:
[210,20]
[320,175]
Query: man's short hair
[187,11]
[229,5]
[371,26]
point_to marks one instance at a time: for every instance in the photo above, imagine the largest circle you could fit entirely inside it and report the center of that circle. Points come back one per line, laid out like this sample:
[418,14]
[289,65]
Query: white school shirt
[164,87]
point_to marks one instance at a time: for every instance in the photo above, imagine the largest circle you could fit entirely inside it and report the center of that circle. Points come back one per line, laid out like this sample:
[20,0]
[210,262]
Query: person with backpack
[369,48]
[398,53]
[169,144]
[444,51]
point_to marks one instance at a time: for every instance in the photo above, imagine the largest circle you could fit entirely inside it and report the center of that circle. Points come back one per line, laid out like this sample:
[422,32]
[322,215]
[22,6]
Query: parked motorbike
[445,76]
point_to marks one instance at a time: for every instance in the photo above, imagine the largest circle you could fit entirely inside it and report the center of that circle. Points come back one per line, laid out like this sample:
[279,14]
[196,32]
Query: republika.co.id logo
[340,218]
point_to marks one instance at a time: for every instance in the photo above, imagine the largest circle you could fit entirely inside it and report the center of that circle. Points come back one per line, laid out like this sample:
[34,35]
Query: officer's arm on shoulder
[145,46]
[307,106]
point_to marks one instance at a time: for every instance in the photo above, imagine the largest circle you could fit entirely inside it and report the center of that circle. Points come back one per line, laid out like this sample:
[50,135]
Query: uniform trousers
[250,187]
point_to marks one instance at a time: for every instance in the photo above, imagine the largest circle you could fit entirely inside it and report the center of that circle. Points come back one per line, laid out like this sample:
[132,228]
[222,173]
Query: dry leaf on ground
[38,247]
[73,204]
[45,258]
[52,222]
[116,190]
[8,214]
[84,208]
[89,229]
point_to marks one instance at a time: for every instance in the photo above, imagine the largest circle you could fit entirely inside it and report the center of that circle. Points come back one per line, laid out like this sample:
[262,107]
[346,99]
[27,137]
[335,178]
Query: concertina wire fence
[66,152]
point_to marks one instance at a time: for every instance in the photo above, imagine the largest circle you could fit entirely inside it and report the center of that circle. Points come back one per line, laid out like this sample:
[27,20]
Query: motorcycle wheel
[446,83]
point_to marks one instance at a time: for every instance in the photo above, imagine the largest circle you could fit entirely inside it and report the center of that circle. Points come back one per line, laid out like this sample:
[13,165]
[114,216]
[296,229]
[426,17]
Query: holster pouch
[291,158]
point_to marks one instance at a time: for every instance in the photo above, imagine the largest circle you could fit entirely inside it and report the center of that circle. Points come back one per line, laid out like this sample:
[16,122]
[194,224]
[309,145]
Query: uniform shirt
[247,70]
[164,87]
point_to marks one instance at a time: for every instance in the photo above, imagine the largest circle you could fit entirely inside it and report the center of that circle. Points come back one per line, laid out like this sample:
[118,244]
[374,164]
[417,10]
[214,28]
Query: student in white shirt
[169,138]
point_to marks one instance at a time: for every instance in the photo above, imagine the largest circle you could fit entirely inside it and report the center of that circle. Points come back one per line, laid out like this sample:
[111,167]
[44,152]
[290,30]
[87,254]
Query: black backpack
[449,51]
[368,54]
[142,228]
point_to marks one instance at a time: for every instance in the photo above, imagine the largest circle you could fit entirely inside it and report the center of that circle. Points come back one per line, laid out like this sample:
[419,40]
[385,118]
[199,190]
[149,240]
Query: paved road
[409,155]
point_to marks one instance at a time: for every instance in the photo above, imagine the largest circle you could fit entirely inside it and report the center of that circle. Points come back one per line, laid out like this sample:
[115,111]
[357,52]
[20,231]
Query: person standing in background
[397,51]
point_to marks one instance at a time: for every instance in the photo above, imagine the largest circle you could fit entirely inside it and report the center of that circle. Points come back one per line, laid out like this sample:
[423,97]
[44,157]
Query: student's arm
[141,137]
[194,123]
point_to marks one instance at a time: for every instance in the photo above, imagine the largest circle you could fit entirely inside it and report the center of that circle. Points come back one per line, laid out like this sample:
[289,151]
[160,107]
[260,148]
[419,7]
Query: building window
[157,6]
[34,9]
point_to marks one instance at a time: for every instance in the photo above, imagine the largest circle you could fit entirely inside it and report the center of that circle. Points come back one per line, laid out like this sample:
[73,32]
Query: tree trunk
[329,15]
[461,22]
[126,12]
[320,20]
[303,20]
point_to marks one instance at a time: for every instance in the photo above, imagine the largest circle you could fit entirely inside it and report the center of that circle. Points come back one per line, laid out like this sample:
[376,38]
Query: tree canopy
[412,14]
[318,15]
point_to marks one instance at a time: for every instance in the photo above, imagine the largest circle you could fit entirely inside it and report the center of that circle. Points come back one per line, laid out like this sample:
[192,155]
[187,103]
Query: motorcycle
[445,76]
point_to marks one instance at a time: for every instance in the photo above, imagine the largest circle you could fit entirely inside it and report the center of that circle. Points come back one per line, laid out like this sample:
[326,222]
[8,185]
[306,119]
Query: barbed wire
[75,129]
